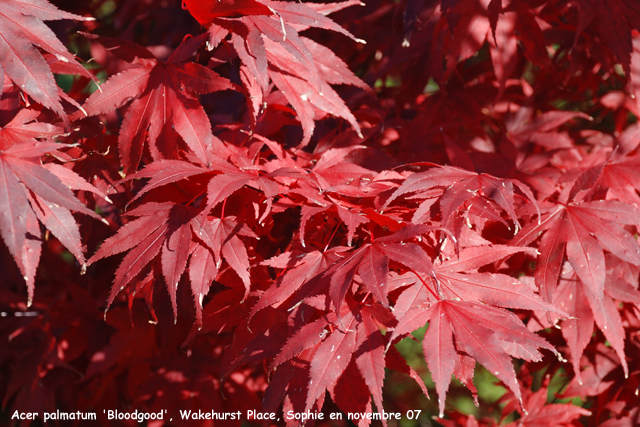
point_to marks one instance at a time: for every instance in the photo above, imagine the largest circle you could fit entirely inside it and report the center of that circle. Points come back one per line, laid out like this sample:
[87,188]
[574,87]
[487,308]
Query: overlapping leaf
[316,304]
[22,31]
[581,231]
[30,190]
[162,102]
[487,334]
[460,186]
[459,278]
[331,349]
[265,36]
[371,262]
[177,233]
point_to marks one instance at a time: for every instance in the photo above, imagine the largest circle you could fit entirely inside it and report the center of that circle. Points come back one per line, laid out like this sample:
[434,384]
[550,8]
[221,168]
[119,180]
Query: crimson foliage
[271,205]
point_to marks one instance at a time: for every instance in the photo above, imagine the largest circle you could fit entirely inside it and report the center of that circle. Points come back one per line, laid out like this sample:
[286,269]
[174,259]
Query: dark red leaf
[330,360]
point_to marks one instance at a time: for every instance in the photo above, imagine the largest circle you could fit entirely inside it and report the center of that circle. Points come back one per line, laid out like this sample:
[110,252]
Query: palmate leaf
[21,30]
[582,231]
[371,262]
[459,278]
[303,95]
[265,36]
[30,191]
[540,413]
[322,317]
[495,335]
[487,334]
[329,181]
[177,233]
[338,356]
[162,102]
[146,237]
[460,186]
[303,268]
[614,22]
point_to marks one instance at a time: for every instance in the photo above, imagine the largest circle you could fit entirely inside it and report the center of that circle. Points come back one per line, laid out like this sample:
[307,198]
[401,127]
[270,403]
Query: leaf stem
[196,196]
[224,203]
[437,296]
[335,229]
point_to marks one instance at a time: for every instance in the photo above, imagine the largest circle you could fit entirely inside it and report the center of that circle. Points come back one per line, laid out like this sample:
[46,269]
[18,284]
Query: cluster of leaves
[269,213]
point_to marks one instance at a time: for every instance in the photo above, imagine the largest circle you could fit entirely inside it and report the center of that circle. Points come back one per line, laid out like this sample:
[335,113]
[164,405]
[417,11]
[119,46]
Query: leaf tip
[524,410]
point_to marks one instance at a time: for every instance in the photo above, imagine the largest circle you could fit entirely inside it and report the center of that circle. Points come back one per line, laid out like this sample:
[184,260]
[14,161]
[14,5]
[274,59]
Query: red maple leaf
[371,263]
[177,233]
[162,102]
[614,22]
[489,190]
[265,36]
[487,334]
[582,230]
[458,277]
[21,30]
[540,413]
[459,187]
[30,191]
